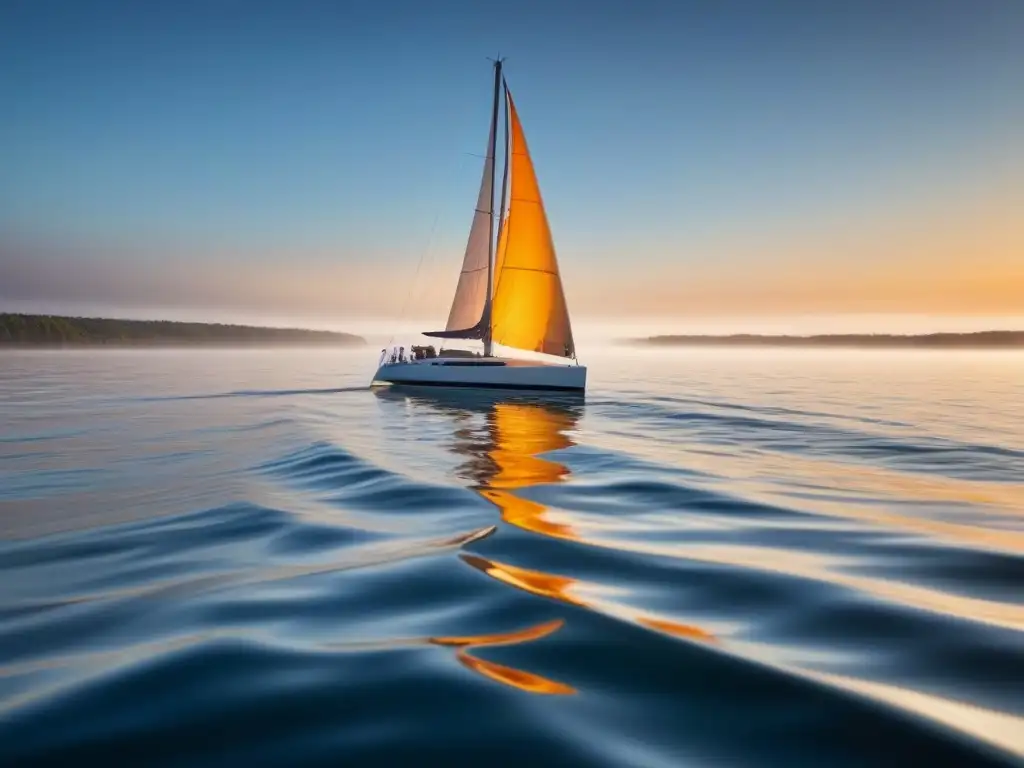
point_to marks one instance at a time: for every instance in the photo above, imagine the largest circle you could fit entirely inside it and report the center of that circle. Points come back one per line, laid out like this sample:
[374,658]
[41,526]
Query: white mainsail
[471,291]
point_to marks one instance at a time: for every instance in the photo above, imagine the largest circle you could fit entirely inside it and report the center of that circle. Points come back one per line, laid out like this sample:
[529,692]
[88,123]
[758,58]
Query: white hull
[483,373]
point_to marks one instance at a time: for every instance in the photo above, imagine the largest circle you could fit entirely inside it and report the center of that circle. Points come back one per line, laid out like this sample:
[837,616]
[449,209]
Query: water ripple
[312,573]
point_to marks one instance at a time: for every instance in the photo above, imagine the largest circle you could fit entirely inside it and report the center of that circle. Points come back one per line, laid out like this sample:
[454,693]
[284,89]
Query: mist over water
[777,558]
[591,333]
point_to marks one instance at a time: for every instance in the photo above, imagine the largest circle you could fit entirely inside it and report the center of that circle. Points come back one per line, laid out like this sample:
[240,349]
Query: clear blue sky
[167,138]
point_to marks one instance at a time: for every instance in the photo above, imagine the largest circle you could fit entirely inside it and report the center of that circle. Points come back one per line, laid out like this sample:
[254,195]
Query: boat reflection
[499,437]
[567,590]
[517,678]
[503,439]
[504,455]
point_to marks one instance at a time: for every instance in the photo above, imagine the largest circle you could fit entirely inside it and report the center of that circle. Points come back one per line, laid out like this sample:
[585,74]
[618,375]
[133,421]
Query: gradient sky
[706,159]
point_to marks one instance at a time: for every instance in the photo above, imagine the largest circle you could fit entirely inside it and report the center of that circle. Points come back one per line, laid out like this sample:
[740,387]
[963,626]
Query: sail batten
[528,311]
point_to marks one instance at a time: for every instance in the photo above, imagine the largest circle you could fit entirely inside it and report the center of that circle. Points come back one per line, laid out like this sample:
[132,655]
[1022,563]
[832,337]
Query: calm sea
[756,558]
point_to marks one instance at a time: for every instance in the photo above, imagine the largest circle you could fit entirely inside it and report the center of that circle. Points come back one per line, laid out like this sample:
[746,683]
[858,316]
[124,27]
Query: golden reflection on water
[534,582]
[508,456]
[499,460]
[688,631]
[568,590]
[517,678]
[516,434]
[504,455]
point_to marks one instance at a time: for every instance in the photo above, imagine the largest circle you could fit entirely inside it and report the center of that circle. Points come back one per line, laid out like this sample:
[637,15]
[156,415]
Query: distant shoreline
[20,331]
[978,340]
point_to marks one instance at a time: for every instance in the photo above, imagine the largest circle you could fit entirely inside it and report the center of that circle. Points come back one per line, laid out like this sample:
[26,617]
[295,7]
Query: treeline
[981,339]
[52,330]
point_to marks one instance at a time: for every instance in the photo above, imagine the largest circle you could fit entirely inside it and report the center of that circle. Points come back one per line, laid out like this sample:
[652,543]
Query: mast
[490,242]
[504,173]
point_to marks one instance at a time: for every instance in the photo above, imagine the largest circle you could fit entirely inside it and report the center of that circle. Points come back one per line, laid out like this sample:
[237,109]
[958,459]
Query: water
[721,557]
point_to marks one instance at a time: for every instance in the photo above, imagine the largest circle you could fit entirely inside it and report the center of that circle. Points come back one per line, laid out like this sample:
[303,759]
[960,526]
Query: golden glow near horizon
[953,259]
[959,256]
[942,270]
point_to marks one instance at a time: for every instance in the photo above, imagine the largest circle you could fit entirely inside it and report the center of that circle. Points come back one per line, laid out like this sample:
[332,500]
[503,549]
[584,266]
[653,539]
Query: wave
[417,578]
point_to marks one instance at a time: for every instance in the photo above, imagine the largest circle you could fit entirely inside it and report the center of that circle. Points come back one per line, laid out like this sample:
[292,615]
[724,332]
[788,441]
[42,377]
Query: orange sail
[528,310]
[521,433]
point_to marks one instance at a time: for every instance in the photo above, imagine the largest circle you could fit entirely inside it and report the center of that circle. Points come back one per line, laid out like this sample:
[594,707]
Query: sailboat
[509,291]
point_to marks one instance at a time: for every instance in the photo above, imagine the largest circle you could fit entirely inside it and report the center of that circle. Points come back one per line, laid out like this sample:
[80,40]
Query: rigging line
[416,274]
[426,250]
[419,264]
